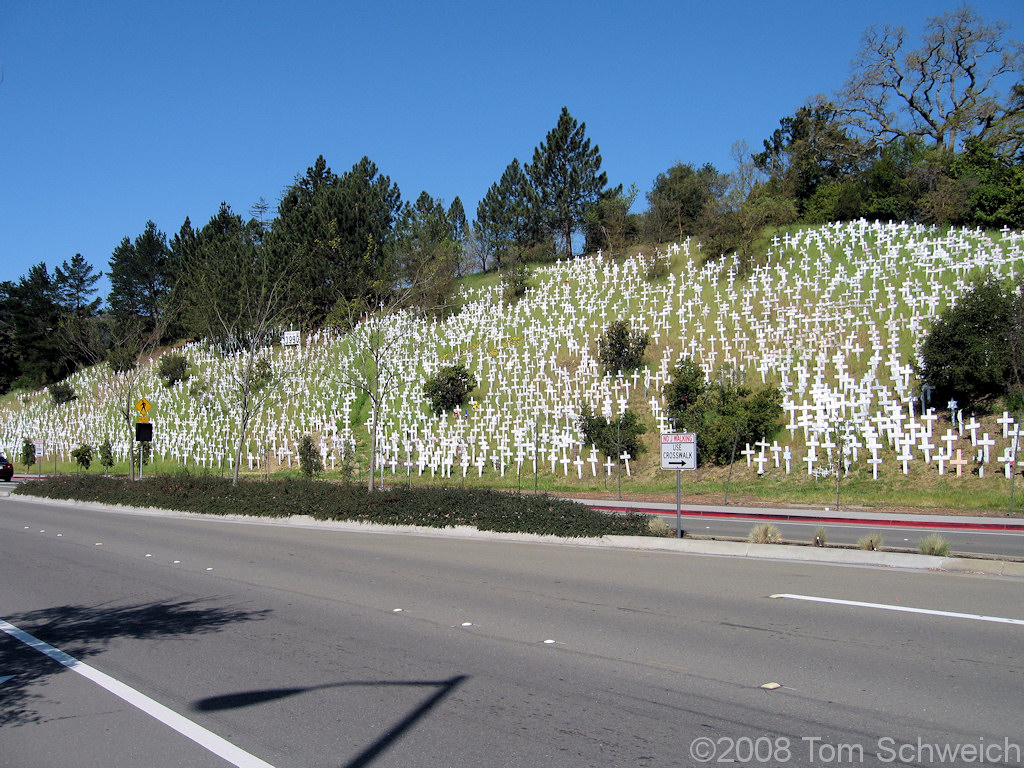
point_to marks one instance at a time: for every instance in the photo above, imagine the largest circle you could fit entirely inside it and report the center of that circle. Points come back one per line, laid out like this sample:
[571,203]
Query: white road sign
[679,450]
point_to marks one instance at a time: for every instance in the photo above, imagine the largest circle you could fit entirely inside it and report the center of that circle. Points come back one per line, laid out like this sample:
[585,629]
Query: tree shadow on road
[82,631]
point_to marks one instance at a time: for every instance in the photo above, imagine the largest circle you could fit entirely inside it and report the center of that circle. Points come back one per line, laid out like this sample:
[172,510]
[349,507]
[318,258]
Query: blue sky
[115,113]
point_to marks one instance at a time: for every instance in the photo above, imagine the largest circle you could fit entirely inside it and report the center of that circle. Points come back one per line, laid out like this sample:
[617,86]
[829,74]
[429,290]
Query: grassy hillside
[832,314]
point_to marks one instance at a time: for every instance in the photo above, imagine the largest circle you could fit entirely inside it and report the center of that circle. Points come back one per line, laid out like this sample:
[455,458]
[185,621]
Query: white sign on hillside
[291,338]
[679,451]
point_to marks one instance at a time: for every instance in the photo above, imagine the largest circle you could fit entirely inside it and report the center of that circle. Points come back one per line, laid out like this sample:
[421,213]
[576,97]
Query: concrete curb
[707,547]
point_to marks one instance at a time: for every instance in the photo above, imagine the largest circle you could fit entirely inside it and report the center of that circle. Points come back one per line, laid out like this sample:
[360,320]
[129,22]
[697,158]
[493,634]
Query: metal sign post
[679,452]
[143,429]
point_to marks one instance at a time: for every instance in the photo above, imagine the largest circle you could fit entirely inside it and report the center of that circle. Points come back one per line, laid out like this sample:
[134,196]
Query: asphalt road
[315,647]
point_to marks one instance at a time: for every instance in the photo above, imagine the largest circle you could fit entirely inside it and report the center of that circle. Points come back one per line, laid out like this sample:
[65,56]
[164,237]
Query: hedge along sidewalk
[483,509]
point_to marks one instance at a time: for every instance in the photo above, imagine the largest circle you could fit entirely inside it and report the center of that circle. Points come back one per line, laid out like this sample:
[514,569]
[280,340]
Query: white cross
[874,461]
[905,457]
[985,443]
[1007,461]
[973,426]
[926,448]
[928,419]
[811,458]
[748,452]
[1005,421]
[949,438]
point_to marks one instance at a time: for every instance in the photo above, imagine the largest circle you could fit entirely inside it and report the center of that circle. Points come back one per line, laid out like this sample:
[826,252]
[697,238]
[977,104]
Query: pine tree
[140,280]
[332,236]
[566,172]
[508,215]
[74,284]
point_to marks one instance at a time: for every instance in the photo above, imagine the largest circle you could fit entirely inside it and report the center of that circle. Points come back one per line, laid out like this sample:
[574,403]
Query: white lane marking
[904,609]
[184,726]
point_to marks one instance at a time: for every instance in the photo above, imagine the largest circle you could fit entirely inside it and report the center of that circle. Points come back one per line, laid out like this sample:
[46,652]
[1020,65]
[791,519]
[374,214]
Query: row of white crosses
[834,316]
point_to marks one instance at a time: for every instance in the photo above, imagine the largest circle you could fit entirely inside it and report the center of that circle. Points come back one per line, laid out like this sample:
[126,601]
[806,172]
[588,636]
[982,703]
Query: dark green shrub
[310,461]
[612,437]
[173,368]
[724,415]
[83,455]
[966,355]
[685,389]
[621,349]
[62,392]
[106,455]
[484,509]
[28,453]
[449,388]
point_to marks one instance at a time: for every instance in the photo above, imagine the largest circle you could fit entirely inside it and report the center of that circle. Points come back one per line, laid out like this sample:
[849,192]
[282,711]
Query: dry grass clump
[764,533]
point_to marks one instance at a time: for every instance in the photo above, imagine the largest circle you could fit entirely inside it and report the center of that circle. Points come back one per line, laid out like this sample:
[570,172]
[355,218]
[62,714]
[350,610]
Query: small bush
[621,349]
[172,369]
[83,455]
[310,461]
[933,544]
[449,388]
[106,455]
[62,392]
[612,437]
[873,541]
[658,526]
[820,536]
[657,268]
[199,389]
[514,282]
[28,453]
[764,533]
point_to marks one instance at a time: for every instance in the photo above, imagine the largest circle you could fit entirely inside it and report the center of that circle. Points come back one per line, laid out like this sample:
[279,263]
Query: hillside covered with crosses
[834,317]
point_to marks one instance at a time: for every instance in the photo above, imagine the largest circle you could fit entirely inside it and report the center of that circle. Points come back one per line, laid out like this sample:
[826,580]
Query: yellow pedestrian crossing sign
[143,406]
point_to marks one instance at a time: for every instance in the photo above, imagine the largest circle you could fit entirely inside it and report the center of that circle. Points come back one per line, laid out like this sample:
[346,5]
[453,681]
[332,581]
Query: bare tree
[243,333]
[230,293]
[380,355]
[945,90]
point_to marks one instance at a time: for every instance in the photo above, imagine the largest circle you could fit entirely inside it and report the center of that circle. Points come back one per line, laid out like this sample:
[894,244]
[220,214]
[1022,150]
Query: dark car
[6,470]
